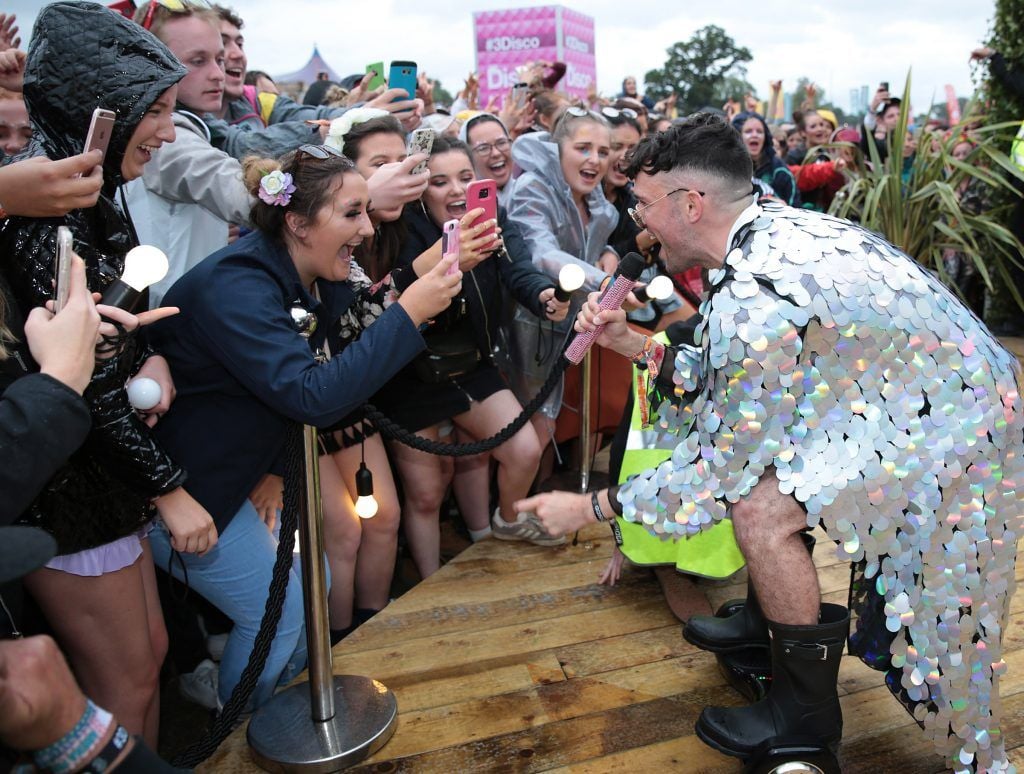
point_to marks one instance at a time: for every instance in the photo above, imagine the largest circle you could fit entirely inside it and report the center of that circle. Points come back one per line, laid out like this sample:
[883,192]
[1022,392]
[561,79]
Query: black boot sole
[717,646]
[746,754]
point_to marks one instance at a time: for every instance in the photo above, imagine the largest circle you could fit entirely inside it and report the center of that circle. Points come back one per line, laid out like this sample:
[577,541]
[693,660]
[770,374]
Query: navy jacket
[242,372]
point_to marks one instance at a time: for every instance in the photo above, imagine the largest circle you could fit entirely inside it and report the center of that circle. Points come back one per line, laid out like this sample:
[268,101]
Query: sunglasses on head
[610,112]
[320,151]
[174,6]
[578,112]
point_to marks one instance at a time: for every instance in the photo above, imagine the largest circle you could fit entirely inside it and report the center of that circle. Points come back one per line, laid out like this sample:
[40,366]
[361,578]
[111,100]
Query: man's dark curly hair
[703,142]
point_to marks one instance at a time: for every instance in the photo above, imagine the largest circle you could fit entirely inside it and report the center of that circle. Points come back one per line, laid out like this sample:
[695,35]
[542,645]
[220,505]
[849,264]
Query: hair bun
[253,170]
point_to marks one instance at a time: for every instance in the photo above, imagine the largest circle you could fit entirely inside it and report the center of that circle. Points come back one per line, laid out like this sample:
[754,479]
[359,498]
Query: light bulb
[659,288]
[366,505]
[144,393]
[143,266]
[570,278]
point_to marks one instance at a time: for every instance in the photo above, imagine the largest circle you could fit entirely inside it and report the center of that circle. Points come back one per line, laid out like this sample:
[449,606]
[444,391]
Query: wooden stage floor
[512,658]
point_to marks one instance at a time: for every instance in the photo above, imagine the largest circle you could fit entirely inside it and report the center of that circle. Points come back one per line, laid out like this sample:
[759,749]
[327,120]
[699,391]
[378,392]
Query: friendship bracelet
[598,513]
[71,751]
[106,757]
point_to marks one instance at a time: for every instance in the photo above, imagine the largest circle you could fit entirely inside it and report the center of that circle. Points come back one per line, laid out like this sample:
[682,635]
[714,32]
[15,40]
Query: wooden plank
[563,742]
[559,592]
[459,724]
[502,644]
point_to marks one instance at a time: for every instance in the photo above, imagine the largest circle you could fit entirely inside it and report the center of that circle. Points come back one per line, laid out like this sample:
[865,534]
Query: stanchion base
[284,737]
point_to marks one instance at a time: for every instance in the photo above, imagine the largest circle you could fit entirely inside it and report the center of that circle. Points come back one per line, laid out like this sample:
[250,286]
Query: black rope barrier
[295,488]
[230,716]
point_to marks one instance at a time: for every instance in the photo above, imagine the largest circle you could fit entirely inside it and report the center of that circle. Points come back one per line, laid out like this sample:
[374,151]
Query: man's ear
[296,224]
[694,206]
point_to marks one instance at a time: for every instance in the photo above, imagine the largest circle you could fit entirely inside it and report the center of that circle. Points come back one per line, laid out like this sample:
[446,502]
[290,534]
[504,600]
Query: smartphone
[403,76]
[483,193]
[520,93]
[884,85]
[450,242]
[421,141]
[62,268]
[100,128]
[377,68]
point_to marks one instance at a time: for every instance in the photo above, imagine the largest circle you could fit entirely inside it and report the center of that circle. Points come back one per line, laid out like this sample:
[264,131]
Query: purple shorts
[109,557]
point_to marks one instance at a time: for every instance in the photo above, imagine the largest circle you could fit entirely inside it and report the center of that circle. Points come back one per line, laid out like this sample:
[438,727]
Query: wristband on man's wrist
[596,506]
[75,748]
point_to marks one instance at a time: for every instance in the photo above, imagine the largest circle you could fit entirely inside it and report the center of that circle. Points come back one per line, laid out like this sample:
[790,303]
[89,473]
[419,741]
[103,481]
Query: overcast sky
[840,45]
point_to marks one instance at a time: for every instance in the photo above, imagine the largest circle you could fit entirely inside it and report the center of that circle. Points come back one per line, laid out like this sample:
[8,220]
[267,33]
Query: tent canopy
[308,72]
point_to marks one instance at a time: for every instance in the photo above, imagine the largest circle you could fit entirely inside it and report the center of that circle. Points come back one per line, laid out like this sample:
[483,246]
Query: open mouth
[234,72]
[498,166]
[589,176]
[456,209]
[147,150]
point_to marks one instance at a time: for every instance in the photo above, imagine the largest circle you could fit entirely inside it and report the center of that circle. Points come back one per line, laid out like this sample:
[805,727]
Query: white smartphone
[421,141]
[62,268]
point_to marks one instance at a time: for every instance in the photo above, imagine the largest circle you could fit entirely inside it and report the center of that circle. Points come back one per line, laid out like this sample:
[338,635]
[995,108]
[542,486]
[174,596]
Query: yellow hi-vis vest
[1017,148]
[712,553]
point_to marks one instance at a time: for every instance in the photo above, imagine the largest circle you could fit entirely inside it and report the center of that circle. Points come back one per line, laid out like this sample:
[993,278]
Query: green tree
[696,69]
[441,95]
[1001,309]
[731,87]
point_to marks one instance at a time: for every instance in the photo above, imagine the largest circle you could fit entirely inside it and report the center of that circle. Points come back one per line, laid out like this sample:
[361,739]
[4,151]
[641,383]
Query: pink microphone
[626,276]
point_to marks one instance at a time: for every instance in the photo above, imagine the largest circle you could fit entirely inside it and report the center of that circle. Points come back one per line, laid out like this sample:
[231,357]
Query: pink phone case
[483,193]
[450,243]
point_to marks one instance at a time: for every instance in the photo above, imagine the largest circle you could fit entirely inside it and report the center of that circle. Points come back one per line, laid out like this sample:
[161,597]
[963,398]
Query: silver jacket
[888,410]
[541,201]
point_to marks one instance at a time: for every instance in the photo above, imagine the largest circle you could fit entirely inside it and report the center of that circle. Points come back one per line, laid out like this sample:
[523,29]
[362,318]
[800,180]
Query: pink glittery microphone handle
[625,280]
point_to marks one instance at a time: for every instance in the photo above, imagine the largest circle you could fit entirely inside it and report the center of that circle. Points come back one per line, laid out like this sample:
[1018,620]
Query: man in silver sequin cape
[836,382]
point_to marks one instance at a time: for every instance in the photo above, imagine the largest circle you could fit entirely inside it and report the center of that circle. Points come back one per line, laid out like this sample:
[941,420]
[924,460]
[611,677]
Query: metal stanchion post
[334,721]
[586,450]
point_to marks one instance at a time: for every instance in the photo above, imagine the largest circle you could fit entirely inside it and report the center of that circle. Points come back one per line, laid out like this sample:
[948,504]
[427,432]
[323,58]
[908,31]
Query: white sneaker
[525,528]
[215,644]
[200,685]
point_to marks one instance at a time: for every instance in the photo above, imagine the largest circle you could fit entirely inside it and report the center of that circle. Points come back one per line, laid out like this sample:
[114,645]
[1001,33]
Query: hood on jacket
[538,153]
[769,147]
[84,56]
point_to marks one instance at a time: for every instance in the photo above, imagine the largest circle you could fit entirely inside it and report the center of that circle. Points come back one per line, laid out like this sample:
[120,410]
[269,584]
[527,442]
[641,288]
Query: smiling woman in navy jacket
[243,373]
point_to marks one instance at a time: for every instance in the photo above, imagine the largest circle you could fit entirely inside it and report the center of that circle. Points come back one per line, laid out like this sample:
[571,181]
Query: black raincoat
[83,56]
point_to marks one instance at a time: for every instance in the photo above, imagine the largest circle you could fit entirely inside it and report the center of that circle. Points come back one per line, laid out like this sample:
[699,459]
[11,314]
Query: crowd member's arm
[255,341]
[42,709]
[530,286]
[45,411]
[1011,78]
[40,188]
[530,208]
[191,170]
[273,141]
[810,177]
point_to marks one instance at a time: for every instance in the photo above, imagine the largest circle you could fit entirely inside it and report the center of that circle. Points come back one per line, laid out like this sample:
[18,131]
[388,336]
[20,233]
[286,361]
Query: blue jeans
[235,576]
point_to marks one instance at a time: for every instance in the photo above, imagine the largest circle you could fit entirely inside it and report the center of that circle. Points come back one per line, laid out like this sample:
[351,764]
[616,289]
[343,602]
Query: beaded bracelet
[71,751]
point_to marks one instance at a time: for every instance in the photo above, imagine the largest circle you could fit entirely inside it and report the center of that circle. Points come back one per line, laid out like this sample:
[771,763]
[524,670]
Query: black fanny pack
[449,353]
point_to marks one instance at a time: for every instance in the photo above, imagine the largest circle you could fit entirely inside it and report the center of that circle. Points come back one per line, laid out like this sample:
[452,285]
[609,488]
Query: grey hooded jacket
[541,202]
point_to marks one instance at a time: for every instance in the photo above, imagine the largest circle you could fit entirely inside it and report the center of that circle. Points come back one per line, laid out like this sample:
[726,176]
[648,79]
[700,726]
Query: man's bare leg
[767,524]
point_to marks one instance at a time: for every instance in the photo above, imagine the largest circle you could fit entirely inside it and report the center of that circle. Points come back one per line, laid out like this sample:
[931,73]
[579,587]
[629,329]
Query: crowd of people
[311,273]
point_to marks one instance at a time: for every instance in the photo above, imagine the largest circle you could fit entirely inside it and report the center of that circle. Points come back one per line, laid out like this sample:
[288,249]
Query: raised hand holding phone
[450,244]
[421,141]
[432,293]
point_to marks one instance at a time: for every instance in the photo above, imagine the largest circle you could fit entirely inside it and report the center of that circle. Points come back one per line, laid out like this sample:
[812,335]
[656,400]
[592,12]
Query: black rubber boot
[802,704]
[744,629]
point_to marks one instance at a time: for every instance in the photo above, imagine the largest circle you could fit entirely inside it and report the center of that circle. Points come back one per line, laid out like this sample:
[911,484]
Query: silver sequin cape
[893,415]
